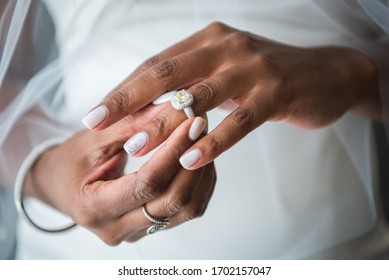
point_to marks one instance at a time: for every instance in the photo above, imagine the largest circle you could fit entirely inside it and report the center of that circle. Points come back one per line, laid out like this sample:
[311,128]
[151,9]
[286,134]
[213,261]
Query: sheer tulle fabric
[378,11]
[32,80]
[29,71]
[29,74]
[25,77]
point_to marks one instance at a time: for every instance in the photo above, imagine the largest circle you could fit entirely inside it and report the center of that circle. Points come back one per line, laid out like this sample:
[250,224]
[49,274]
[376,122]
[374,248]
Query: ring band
[158,224]
[182,100]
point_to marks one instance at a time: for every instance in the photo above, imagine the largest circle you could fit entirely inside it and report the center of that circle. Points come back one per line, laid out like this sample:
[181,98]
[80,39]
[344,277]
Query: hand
[265,80]
[83,178]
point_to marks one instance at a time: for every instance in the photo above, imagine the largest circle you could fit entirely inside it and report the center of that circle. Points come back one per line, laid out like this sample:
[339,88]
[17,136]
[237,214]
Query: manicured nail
[190,158]
[136,142]
[95,117]
[196,128]
[164,98]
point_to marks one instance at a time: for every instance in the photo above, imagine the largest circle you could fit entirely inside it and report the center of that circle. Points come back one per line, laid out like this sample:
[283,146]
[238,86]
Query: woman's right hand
[84,178]
[263,79]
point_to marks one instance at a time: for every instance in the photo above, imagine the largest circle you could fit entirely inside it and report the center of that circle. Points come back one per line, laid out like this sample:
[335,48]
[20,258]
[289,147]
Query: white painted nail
[163,98]
[136,142]
[95,117]
[190,158]
[196,128]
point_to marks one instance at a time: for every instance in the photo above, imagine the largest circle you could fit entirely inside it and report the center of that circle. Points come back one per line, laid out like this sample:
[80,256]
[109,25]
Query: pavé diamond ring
[182,100]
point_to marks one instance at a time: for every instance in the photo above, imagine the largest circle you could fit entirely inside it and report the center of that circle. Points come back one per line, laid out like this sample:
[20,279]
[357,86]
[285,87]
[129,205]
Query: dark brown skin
[262,79]
[267,81]
[84,179]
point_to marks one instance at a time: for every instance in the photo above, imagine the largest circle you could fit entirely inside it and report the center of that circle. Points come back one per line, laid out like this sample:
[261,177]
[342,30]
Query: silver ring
[158,224]
[182,100]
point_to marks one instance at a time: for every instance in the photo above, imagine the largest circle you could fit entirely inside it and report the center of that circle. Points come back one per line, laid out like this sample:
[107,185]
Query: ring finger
[175,199]
[207,95]
[193,208]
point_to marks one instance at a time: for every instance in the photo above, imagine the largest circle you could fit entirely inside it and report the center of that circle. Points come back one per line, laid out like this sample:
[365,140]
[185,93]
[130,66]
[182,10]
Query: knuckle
[243,118]
[161,126]
[165,71]
[86,218]
[259,59]
[85,214]
[239,40]
[150,62]
[148,187]
[102,154]
[82,219]
[193,213]
[213,145]
[177,203]
[204,93]
[217,27]
[121,99]
[110,239]
[273,73]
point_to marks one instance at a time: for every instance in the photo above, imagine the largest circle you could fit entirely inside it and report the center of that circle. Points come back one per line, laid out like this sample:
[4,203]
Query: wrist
[368,100]
[358,74]
[356,79]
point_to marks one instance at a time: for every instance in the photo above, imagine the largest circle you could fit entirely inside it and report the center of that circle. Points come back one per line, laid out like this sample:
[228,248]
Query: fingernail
[136,142]
[190,158]
[164,98]
[196,128]
[95,117]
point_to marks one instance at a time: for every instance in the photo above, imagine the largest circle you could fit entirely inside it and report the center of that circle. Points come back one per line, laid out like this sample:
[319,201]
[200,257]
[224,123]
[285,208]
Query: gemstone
[182,96]
[182,99]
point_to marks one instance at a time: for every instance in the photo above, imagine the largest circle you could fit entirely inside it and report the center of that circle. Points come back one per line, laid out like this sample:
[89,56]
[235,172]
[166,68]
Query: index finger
[170,74]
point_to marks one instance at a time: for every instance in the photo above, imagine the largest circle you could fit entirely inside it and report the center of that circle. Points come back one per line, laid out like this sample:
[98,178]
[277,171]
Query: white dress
[282,192]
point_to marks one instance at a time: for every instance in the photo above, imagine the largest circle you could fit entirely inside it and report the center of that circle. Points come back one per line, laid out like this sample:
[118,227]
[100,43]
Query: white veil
[28,71]
[378,10]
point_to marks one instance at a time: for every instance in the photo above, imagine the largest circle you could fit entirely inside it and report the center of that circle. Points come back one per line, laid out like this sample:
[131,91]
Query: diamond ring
[181,100]
[158,225]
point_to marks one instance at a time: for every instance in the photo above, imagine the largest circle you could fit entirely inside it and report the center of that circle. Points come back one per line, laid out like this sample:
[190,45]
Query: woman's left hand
[84,178]
[263,80]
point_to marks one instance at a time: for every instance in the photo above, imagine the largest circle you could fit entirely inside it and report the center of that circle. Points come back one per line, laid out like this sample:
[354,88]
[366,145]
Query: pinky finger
[194,209]
[201,197]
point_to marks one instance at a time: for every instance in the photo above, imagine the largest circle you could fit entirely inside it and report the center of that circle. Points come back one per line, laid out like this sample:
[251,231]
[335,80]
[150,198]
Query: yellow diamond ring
[182,100]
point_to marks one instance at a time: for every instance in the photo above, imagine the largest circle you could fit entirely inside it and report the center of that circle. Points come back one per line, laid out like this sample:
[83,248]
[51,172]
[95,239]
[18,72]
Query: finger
[193,209]
[109,162]
[117,197]
[207,95]
[130,124]
[174,199]
[195,41]
[198,205]
[135,94]
[119,133]
[168,71]
[231,130]
[115,229]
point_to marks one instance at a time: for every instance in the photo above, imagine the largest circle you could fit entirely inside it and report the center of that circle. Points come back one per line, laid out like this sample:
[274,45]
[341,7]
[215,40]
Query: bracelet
[24,168]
